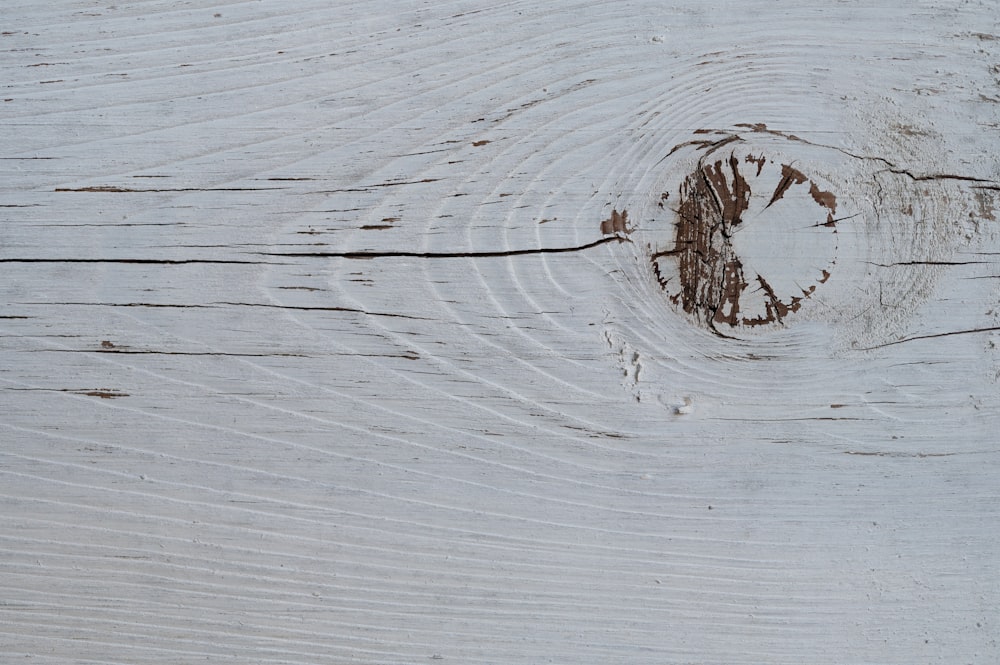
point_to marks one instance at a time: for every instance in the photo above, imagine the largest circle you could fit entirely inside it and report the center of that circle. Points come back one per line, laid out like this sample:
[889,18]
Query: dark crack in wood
[157,262]
[448,255]
[914,338]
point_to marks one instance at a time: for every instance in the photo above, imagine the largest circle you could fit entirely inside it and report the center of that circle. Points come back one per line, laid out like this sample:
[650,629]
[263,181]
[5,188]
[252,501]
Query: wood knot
[753,240]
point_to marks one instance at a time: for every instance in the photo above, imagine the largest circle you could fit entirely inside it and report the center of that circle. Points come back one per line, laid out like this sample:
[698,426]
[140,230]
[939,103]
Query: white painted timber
[357,332]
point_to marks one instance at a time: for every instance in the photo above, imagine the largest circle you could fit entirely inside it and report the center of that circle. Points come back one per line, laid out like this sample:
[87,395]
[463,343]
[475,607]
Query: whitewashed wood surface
[315,348]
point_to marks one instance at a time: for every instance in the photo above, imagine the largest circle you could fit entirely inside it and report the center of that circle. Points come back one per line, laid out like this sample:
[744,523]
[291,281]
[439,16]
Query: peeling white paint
[327,338]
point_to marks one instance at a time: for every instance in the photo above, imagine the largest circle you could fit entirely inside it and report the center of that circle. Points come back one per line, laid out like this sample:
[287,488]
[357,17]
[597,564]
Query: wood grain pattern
[344,332]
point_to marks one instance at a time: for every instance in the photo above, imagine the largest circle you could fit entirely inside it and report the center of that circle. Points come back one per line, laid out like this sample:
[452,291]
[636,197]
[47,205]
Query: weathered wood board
[522,332]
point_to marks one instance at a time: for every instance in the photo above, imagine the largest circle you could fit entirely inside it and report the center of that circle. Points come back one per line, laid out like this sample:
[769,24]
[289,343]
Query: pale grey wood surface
[315,349]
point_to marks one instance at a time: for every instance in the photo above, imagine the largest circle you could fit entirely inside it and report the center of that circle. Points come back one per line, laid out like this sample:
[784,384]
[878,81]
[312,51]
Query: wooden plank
[499,333]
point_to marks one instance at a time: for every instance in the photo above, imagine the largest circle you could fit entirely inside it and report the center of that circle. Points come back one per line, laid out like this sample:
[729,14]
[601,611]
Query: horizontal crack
[893,168]
[113,304]
[324,309]
[365,188]
[163,262]
[215,305]
[449,255]
[410,355]
[112,189]
[937,176]
[970,331]
[177,353]
[897,454]
[97,392]
[928,263]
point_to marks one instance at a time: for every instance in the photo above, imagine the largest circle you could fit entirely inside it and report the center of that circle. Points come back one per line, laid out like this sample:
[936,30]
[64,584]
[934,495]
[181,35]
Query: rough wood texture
[381,332]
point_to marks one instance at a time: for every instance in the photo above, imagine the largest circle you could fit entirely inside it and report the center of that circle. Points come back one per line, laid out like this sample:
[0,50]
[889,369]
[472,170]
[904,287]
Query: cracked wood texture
[519,332]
